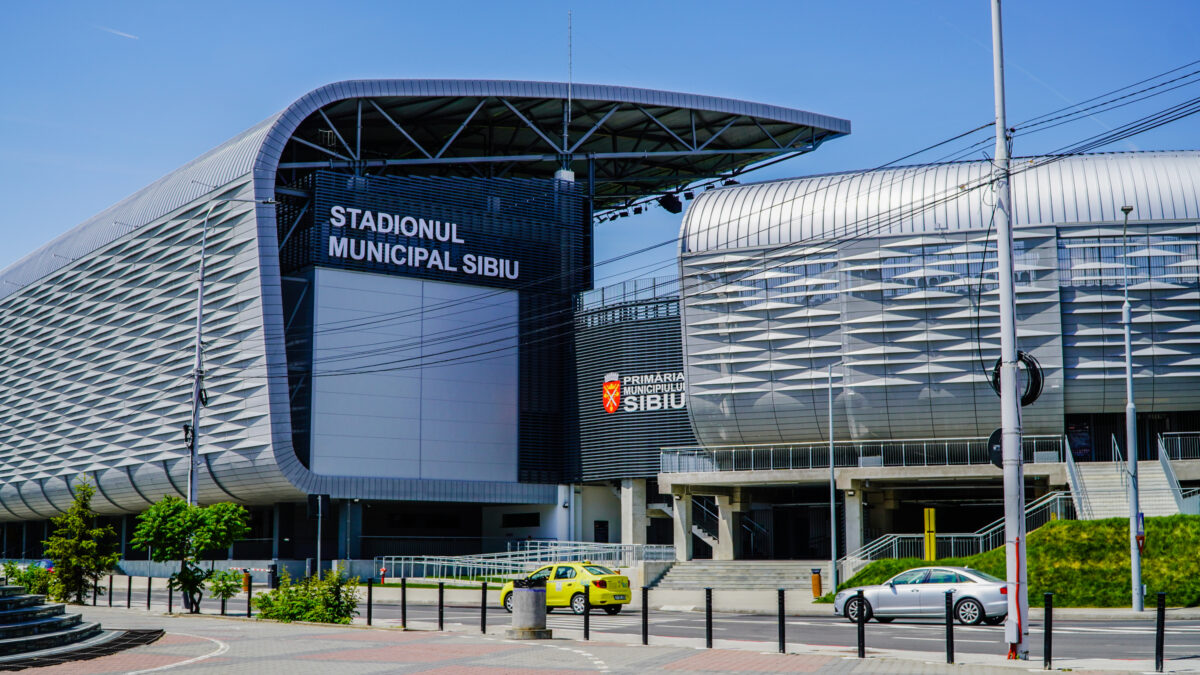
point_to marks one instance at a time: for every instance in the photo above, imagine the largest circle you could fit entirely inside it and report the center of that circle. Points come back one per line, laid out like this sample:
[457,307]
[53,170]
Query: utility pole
[1016,629]
[833,528]
[1135,556]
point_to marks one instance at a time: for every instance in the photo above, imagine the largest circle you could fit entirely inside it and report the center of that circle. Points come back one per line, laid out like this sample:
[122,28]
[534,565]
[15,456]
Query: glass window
[597,570]
[909,577]
[941,577]
[565,572]
[964,580]
[985,576]
[541,574]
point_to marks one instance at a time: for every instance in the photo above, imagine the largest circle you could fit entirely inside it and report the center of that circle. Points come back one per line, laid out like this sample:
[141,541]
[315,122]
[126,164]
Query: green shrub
[36,580]
[1085,563]
[330,599]
[225,585]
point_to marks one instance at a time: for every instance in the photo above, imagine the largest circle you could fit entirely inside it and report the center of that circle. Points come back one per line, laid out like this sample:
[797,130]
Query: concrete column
[727,529]
[682,526]
[854,520]
[633,511]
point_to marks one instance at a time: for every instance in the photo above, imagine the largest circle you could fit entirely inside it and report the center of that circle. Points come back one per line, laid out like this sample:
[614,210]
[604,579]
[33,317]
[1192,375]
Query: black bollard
[170,599]
[403,602]
[222,606]
[128,592]
[645,615]
[95,590]
[483,609]
[110,590]
[782,626]
[862,625]
[949,626]
[708,618]
[1159,629]
[441,604]
[587,612]
[149,587]
[370,598]
[1048,631]
[249,596]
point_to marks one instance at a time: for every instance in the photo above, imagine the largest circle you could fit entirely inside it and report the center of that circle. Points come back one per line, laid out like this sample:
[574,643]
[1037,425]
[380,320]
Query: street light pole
[1135,556]
[198,396]
[1016,629]
[833,528]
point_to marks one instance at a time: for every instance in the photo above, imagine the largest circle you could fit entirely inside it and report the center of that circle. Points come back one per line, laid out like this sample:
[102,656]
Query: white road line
[221,649]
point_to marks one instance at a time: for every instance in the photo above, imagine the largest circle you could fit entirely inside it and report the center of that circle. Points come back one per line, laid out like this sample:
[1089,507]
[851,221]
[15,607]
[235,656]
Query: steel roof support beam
[637,154]
[718,134]
[667,129]
[327,151]
[595,126]
[461,127]
[767,133]
[334,129]
[536,130]
[399,128]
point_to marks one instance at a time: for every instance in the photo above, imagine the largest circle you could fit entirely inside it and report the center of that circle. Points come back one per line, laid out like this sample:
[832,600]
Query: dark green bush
[1085,563]
[330,599]
[36,580]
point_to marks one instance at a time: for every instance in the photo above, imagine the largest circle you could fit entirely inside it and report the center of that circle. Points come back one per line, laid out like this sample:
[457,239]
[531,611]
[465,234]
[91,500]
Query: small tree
[81,552]
[174,530]
[224,585]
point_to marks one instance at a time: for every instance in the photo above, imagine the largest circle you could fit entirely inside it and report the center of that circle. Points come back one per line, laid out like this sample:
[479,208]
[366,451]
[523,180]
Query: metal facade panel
[914,315]
[926,198]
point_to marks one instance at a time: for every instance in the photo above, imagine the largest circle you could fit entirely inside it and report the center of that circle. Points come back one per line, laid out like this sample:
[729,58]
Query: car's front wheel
[969,612]
[508,603]
[855,607]
[577,603]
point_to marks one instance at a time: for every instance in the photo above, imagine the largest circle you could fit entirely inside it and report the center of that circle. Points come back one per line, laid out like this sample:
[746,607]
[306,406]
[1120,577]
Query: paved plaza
[209,644]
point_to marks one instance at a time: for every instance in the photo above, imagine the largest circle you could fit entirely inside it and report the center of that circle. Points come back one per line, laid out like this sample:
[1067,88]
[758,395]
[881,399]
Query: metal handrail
[1119,463]
[1188,501]
[516,563]
[1048,507]
[1078,489]
[1181,444]
[896,452]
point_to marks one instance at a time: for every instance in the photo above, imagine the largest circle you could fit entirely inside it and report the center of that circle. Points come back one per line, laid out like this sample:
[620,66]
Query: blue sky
[100,99]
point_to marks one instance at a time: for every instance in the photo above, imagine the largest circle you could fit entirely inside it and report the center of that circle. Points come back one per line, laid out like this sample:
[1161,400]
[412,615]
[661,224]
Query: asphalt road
[1072,638]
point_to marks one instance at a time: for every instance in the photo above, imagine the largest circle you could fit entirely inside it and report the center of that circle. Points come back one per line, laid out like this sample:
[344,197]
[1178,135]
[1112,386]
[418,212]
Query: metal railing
[902,452]
[1180,444]
[1078,489]
[1187,501]
[1050,506]
[710,517]
[1119,464]
[531,554]
[634,290]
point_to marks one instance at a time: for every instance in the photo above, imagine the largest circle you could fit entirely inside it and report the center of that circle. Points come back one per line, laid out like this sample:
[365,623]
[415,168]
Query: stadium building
[876,292]
[388,317]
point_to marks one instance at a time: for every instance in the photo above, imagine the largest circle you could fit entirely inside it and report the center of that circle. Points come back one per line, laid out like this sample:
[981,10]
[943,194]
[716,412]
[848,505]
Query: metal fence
[1181,445]
[909,452]
[1051,506]
[529,555]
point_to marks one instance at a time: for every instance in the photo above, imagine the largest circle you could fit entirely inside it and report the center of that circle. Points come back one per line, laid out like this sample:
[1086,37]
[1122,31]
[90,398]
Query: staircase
[764,575]
[1105,484]
[28,625]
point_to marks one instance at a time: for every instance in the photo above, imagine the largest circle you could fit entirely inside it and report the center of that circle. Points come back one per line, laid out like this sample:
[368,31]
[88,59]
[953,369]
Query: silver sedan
[977,597]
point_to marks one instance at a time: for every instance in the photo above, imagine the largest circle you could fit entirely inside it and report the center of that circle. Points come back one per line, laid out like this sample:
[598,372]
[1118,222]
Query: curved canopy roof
[1161,186]
[627,143]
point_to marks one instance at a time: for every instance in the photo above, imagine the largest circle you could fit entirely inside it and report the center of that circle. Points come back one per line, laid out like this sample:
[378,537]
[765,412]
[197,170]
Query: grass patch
[1085,563]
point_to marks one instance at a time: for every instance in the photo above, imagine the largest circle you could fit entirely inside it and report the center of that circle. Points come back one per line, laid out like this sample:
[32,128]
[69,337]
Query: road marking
[221,649]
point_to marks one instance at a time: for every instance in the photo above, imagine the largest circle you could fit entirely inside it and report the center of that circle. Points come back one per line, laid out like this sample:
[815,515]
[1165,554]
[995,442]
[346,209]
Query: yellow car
[564,587]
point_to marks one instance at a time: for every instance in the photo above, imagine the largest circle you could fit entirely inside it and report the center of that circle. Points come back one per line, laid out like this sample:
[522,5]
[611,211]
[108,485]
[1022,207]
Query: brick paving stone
[748,662]
[412,652]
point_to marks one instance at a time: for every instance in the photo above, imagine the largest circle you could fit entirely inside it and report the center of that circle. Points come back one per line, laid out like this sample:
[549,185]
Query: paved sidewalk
[209,644]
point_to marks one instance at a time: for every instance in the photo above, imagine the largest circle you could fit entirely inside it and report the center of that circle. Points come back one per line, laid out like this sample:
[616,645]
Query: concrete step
[29,643]
[51,624]
[23,614]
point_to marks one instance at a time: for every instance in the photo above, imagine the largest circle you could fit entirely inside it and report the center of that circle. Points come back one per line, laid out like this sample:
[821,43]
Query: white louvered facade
[893,273]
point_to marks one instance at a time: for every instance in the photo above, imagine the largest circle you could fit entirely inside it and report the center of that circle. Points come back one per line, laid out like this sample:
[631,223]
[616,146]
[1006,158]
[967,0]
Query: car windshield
[985,576]
[597,570]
